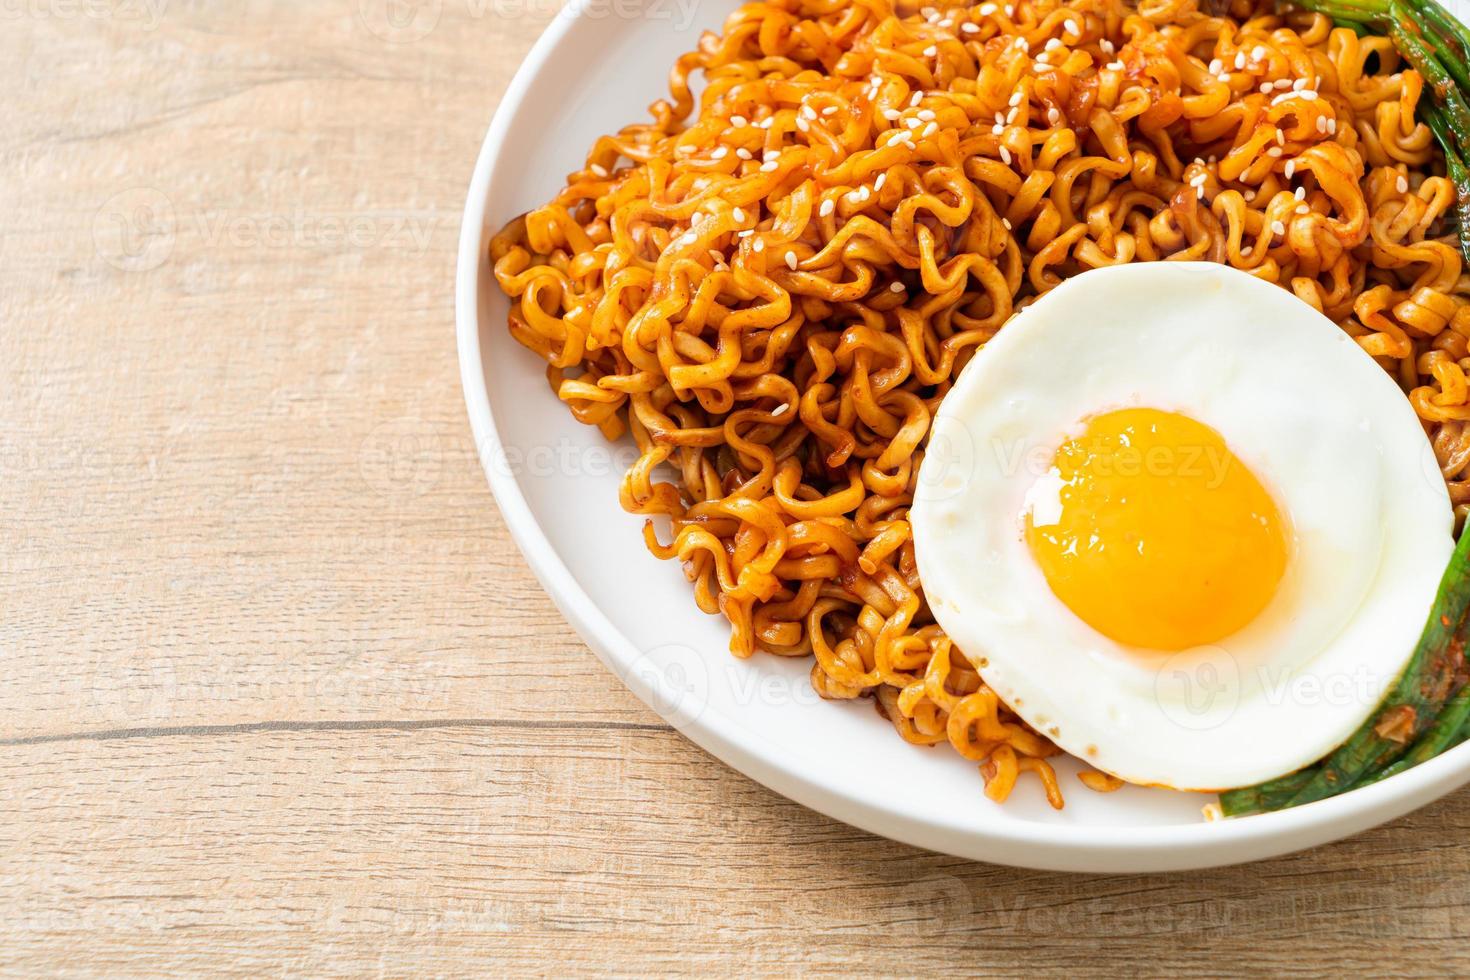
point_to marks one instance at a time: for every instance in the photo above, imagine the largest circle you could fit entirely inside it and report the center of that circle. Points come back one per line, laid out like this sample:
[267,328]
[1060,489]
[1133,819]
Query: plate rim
[1018,843]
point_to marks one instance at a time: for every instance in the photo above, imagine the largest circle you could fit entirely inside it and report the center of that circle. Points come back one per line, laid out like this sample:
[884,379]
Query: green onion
[1414,704]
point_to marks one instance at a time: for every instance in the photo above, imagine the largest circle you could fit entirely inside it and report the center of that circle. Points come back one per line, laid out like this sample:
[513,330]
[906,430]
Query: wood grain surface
[281,698]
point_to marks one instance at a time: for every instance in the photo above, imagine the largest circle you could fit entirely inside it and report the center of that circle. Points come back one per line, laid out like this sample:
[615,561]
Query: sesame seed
[1005,156]
[1258,52]
[1245,250]
[1006,222]
[926,114]
[1216,66]
[1403,185]
[891,114]
[1052,116]
[1015,99]
[1052,44]
[970,28]
[720,153]
[759,246]
[1043,58]
[1071,28]
[1200,192]
[916,99]
[863,193]
[830,110]
[745,234]
[1290,168]
[738,121]
[1274,151]
[1280,138]
[598,169]
[769,166]
[1303,209]
[1106,46]
[809,112]
[1115,65]
[770,155]
[791,260]
[913,123]
[1332,125]
[738,214]
[1277,228]
[896,287]
[930,130]
[1301,193]
[878,184]
[1022,44]
[931,51]
[1224,76]
[688,238]
[743,153]
[780,409]
[1266,88]
[802,124]
[1239,60]
[767,122]
[986,9]
[828,206]
[1011,116]
[1299,84]
[1321,124]
[998,128]
[1010,9]
[716,257]
[1283,83]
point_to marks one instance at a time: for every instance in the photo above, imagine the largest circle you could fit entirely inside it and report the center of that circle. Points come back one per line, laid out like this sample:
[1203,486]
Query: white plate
[597,67]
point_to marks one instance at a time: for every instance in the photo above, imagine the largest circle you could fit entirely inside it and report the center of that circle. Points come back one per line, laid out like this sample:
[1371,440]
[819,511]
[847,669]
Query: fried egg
[1182,524]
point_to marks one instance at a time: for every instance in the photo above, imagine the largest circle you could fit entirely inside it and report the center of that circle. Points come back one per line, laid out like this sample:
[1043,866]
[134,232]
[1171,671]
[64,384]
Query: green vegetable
[1436,45]
[1458,174]
[1411,709]
[1447,732]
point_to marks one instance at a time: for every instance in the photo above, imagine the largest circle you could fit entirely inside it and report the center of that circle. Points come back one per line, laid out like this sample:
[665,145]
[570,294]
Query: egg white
[1320,425]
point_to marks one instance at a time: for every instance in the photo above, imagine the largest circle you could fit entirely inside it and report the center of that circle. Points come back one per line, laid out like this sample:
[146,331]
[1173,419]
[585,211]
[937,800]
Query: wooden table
[280,696]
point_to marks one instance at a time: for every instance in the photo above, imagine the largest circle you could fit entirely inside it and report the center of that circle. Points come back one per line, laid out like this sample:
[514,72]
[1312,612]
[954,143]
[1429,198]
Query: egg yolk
[1154,533]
